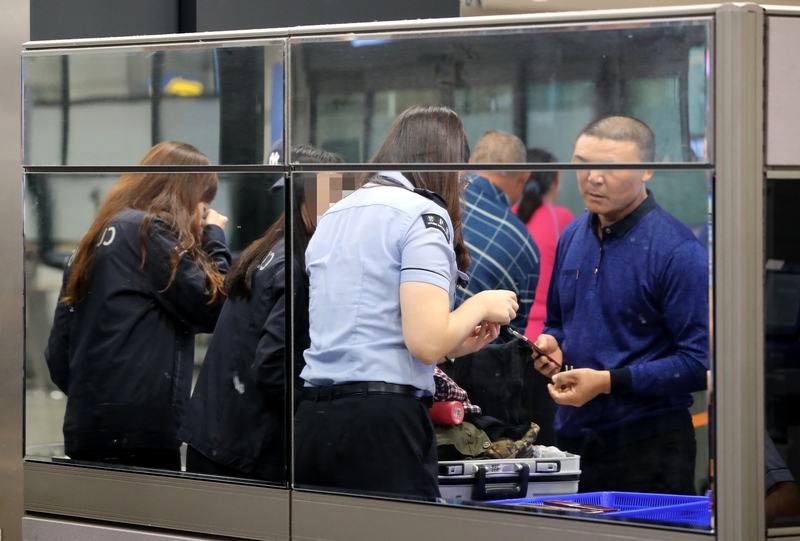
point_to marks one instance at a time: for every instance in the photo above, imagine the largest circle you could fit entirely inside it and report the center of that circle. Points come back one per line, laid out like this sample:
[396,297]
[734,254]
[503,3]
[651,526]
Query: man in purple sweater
[627,310]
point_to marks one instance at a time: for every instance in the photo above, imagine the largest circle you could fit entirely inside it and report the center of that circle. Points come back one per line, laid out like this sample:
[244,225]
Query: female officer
[145,278]
[236,420]
[383,266]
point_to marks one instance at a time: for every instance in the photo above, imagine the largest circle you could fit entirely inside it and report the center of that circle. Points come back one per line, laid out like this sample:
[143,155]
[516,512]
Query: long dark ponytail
[538,184]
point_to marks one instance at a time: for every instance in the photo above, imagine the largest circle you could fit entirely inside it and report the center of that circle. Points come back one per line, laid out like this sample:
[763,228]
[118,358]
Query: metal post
[738,272]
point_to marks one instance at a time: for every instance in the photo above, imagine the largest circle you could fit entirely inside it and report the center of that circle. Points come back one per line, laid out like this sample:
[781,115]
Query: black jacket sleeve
[186,299]
[269,365]
[56,353]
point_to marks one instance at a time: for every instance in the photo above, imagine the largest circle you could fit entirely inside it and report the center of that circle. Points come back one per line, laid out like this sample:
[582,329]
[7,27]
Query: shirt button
[595,271]
[608,230]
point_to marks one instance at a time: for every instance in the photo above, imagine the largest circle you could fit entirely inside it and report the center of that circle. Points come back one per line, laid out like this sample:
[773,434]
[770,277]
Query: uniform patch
[437,222]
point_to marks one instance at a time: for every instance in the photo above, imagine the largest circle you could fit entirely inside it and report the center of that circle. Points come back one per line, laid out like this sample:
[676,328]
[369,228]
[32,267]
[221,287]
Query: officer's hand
[483,334]
[499,305]
[577,387]
[548,344]
[213,217]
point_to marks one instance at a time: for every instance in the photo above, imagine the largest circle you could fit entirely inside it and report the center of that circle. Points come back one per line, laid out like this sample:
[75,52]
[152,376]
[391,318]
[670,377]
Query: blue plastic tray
[697,513]
[639,505]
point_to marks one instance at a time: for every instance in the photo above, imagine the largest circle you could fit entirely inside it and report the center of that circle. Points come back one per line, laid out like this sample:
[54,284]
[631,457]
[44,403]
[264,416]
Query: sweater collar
[621,228]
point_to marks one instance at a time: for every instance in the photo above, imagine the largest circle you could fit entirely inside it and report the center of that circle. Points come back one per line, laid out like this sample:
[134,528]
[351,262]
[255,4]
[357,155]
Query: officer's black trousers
[374,444]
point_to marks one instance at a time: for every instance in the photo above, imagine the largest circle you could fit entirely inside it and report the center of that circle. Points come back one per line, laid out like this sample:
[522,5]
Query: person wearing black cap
[235,424]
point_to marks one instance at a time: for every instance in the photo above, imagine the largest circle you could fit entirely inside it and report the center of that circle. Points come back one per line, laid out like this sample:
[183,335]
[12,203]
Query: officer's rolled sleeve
[427,252]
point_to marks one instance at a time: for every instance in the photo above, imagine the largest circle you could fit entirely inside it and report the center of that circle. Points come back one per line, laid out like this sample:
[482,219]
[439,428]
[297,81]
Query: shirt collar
[483,184]
[397,177]
[620,228]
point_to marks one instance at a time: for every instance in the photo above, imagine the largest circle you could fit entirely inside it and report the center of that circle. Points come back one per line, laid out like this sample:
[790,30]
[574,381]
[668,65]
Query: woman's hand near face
[212,217]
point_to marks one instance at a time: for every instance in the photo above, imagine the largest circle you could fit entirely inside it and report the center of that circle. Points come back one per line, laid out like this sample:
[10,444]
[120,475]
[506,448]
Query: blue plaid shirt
[504,255]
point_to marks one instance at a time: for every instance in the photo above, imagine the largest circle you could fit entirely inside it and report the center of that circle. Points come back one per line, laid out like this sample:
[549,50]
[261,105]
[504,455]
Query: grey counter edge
[188,505]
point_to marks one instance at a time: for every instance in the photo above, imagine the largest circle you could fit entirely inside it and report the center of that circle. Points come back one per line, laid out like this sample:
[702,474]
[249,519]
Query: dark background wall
[240,14]
[71,19]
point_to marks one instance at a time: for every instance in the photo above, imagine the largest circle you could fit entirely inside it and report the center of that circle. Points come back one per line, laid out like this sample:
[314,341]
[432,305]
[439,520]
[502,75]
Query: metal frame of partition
[254,512]
[14,29]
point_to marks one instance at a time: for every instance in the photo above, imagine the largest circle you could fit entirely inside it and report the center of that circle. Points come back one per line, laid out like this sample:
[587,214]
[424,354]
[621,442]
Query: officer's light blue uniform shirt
[365,246]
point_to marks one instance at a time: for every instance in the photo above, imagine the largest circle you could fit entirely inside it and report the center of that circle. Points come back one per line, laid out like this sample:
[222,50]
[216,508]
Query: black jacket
[124,354]
[237,412]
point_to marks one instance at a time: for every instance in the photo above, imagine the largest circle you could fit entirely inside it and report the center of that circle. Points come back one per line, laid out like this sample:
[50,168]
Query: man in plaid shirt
[504,255]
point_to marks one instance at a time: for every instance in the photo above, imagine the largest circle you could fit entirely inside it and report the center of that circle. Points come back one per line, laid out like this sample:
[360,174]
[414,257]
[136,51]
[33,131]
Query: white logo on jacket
[267,260]
[107,239]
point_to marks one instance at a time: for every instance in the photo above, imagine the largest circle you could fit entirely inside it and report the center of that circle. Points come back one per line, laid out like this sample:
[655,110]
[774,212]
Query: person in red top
[545,221]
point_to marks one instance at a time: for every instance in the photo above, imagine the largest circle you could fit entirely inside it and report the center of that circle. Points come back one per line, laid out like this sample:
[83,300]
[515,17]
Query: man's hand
[549,345]
[577,387]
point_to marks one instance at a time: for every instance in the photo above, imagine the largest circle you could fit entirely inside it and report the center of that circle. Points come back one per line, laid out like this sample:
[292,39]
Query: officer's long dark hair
[172,198]
[430,134]
[539,183]
[238,282]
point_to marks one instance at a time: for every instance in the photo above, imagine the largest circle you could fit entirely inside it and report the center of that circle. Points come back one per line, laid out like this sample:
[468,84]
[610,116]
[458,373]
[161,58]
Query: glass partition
[88,399]
[509,441]
[542,84]
[535,89]
[782,352]
[501,440]
[107,107]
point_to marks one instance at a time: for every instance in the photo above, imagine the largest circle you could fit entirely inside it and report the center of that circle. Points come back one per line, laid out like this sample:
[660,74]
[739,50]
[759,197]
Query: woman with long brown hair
[383,267]
[236,421]
[145,278]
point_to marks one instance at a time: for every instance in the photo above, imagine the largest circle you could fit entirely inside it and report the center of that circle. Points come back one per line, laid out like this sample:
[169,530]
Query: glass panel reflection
[109,383]
[624,345]
[782,353]
[107,107]
[541,84]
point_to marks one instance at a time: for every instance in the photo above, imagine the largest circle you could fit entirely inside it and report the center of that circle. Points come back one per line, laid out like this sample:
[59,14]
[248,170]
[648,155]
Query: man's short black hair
[624,128]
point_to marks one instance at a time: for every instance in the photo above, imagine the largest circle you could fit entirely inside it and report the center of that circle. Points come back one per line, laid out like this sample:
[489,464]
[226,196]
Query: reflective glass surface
[782,353]
[542,84]
[107,106]
[535,89]
[503,444]
[78,365]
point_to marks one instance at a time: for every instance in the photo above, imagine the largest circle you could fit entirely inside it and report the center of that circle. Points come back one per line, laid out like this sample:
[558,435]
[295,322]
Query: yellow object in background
[178,86]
